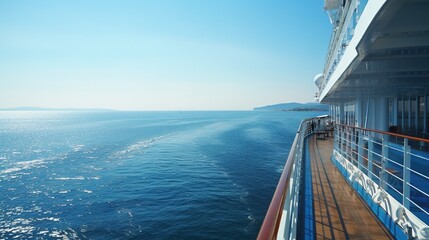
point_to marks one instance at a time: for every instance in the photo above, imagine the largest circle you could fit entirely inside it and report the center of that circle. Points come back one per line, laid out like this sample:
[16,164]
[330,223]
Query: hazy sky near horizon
[160,54]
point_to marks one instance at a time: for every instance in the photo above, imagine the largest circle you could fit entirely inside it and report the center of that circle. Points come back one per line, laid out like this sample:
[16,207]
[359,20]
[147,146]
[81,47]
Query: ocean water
[140,175]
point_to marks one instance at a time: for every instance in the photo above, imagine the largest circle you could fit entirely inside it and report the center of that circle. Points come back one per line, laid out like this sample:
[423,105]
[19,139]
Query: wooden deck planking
[339,213]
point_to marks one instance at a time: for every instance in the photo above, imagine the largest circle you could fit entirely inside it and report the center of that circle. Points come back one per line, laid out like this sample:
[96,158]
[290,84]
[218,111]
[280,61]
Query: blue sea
[140,175]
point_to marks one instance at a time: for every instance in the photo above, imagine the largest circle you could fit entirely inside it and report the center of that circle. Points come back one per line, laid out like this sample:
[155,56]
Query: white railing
[393,169]
[282,216]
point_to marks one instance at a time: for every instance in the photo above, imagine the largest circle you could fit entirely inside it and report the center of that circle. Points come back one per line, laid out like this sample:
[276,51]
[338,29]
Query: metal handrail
[386,133]
[391,165]
[271,222]
[273,218]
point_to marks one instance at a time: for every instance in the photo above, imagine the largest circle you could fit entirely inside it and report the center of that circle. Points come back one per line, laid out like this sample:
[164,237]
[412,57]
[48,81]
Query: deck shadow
[339,213]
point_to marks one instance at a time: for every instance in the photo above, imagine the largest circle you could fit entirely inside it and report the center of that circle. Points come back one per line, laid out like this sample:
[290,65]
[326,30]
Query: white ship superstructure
[376,79]
[377,71]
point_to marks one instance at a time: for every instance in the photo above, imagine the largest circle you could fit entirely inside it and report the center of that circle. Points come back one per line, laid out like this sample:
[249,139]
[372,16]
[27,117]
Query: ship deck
[338,212]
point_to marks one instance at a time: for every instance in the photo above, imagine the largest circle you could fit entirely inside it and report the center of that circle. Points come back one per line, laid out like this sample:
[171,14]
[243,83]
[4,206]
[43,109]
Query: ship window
[400,113]
[413,114]
[421,114]
[426,126]
[391,113]
[350,111]
[406,115]
[337,114]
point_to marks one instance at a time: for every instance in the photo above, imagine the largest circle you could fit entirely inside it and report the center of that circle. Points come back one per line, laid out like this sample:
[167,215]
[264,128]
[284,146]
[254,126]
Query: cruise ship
[362,172]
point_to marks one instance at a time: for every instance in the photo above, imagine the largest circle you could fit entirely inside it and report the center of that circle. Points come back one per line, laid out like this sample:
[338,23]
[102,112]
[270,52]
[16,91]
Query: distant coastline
[53,109]
[306,110]
[282,107]
[293,106]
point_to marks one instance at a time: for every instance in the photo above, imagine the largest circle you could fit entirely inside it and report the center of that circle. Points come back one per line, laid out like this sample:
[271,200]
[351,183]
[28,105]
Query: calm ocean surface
[140,175]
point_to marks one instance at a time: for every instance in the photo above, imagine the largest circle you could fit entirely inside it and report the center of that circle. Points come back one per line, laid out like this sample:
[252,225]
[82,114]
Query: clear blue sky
[160,54]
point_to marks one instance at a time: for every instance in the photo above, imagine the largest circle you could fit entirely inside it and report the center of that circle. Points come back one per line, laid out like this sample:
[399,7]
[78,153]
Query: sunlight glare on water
[103,175]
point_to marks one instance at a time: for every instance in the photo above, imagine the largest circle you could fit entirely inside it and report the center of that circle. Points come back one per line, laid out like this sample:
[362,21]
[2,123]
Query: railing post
[342,141]
[406,174]
[348,144]
[351,139]
[384,157]
[335,137]
[360,149]
[370,156]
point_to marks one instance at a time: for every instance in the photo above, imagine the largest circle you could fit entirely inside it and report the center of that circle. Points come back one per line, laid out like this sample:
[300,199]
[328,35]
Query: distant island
[52,109]
[293,106]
